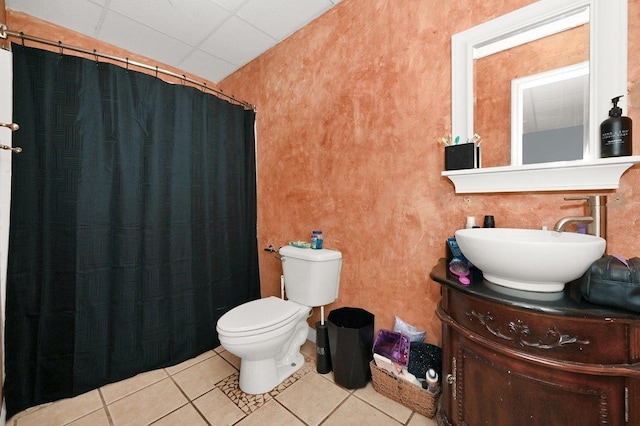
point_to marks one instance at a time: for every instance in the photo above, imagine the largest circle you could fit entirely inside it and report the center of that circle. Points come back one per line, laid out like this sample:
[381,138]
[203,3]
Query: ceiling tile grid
[209,38]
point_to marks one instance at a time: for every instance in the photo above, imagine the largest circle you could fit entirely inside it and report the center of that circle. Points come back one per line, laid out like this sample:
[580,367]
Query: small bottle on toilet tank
[316,239]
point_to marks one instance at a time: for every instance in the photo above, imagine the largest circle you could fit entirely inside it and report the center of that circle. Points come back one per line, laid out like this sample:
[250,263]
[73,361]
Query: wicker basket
[417,399]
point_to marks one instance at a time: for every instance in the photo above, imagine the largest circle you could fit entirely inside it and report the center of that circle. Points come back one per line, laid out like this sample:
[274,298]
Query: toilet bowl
[266,334]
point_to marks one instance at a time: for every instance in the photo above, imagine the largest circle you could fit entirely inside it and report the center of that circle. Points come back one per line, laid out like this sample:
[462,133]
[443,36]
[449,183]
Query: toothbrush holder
[462,156]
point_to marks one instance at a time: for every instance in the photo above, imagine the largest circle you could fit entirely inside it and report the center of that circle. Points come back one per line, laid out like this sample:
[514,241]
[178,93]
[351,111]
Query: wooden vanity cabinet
[508,360]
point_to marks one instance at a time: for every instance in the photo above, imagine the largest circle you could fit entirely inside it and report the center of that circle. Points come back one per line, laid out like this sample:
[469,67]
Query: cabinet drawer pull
[451,378]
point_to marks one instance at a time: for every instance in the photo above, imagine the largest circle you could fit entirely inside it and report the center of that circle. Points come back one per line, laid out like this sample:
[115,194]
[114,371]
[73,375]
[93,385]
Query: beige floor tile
[272,414]
[231,358]
[115,391]
[329,376]
[309,349]
[12,420]
[202,377]
[355,412]
[307,398]
[188,363]
[97,418]
[147,405]
[420,420]
[186,415]
[218,409]
[388,405]
[312,398]
[63,411]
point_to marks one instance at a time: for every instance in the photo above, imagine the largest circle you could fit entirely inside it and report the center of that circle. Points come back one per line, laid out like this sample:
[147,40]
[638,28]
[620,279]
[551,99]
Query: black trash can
[350,344]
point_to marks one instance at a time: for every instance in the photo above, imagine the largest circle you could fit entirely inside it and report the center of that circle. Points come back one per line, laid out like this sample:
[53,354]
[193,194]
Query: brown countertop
[568,302]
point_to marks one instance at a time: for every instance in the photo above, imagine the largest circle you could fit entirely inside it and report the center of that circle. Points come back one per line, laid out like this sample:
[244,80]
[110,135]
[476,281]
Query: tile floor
[204,391]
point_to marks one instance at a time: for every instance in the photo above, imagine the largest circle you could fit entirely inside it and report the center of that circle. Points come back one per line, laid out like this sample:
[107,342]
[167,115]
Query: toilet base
[262,376]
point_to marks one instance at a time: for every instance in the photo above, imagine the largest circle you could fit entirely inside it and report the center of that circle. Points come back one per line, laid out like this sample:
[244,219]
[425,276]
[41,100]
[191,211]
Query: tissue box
[462,156]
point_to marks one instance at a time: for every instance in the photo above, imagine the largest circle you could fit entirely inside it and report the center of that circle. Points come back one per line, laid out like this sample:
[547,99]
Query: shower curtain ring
[60,46]
[22,38]
[95,54]
[15,149]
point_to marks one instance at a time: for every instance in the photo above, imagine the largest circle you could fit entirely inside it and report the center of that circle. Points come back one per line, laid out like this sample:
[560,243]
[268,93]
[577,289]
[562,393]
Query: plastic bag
[408,330]
[394,346]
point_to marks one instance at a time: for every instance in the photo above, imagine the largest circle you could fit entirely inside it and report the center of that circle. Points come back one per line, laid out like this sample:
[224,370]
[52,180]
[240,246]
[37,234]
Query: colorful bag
[394,346]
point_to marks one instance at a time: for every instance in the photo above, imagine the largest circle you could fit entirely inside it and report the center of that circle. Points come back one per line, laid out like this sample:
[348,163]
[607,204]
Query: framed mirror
[606,26]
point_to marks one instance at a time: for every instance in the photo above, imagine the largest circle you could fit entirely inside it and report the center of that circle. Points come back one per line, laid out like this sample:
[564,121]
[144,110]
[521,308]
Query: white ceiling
[209,38]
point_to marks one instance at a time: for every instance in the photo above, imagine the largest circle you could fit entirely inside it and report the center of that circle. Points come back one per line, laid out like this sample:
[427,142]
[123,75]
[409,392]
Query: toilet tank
[311,277]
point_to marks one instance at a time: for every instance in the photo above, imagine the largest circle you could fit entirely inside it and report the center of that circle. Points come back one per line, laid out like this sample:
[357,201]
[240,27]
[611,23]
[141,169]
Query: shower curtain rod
[4,33]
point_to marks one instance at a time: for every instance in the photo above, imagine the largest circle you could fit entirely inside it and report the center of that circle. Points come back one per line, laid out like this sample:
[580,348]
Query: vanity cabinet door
[493,389]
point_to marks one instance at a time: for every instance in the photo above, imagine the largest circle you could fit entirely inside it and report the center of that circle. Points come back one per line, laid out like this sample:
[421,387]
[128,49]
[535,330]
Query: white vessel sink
[529,259]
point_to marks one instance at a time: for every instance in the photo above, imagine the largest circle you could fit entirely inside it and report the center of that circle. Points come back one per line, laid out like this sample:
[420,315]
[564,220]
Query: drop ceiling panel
[201,63]
[279,18]
[189,24]
[116,29]
[79,15]
[248,42]
[209,38]
[231,5]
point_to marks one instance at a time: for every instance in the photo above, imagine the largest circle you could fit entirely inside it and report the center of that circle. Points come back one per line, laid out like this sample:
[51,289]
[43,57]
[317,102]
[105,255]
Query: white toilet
[266,334]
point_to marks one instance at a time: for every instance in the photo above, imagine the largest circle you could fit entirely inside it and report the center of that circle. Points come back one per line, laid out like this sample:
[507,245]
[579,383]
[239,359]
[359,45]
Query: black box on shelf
[462,156]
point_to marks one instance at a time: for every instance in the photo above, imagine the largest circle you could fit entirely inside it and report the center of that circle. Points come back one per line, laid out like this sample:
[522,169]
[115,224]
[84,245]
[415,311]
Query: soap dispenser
[615,133]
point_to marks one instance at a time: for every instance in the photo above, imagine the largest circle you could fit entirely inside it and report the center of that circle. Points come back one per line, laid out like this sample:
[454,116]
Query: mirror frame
[607,47]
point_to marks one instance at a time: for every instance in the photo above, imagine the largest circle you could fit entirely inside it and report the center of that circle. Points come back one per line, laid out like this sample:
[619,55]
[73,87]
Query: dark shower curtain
[133,224]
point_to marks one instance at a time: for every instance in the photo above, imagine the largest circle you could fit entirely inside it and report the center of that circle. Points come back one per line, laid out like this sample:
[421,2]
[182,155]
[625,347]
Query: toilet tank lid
[310,254]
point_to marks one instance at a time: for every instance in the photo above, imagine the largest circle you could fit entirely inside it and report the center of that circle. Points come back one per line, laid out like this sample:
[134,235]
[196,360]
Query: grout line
[384,412]
[190,401]
[291,412]
[198,411]
[105,406]
[337,407]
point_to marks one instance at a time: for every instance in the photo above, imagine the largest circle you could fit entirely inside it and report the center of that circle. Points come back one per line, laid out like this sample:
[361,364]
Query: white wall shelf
[604,173]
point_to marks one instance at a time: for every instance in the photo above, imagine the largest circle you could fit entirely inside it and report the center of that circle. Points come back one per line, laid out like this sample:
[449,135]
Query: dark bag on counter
[612,283]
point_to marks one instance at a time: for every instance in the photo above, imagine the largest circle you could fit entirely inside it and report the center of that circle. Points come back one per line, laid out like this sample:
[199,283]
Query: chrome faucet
[596,218]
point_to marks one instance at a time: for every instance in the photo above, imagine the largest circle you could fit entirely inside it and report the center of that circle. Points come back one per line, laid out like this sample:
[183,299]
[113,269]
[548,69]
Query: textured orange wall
[349,109]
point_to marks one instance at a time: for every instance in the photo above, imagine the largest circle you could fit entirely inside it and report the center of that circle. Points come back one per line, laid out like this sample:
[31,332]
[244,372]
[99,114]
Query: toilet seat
[258,317]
